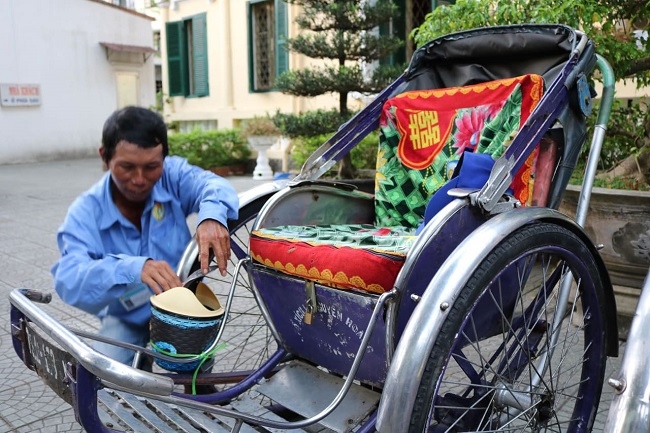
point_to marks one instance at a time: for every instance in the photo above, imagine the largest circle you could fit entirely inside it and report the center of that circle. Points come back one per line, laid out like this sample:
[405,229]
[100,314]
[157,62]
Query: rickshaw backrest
[494,53]
[490,54]
[424,133]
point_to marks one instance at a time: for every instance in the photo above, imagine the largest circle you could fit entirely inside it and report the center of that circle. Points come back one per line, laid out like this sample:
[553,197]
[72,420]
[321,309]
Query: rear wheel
[513,354]
[246,340]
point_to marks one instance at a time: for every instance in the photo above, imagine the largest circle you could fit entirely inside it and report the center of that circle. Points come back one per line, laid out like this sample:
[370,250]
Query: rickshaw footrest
[307,390]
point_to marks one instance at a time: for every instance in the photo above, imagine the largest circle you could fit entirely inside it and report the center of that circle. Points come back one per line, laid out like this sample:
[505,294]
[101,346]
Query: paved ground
[33,202]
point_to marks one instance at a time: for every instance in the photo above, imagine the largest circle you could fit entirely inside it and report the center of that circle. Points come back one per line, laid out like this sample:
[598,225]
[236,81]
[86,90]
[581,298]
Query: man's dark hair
[136,125]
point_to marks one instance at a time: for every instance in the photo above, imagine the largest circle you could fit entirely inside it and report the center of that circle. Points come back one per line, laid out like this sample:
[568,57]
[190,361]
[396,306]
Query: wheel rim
[494,378]
[246,341]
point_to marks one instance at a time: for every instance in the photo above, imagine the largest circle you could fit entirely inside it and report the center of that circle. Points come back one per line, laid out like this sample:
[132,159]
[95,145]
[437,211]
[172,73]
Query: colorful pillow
[423,134]
[358,256]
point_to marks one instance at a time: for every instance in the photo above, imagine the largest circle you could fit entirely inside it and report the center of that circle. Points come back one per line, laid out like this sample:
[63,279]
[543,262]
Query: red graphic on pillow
[424,132]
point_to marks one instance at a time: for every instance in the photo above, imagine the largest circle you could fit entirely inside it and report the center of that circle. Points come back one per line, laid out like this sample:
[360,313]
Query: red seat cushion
[358,256]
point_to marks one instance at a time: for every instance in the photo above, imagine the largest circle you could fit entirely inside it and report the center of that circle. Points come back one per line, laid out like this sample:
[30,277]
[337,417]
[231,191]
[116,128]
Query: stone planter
[620,221]
[222,171]
[229,170]
[261,143]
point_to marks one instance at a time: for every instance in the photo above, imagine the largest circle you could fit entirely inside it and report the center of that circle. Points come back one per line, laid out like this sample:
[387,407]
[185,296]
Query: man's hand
[211,234]
[158,275]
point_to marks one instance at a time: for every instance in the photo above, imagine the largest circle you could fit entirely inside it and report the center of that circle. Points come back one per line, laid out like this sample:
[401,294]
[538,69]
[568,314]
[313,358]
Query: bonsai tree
[343,34]
[616,26]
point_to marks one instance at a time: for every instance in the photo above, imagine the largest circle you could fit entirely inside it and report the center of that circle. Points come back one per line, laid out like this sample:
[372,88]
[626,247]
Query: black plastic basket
[182,330]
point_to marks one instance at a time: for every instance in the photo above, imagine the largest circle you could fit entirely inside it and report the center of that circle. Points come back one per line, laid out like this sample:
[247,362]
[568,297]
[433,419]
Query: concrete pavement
[33,201]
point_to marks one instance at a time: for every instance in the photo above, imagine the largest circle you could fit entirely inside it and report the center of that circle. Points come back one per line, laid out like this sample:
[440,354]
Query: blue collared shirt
[102,253]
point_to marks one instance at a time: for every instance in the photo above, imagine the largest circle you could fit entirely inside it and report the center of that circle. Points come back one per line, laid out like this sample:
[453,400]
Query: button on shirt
[102,253]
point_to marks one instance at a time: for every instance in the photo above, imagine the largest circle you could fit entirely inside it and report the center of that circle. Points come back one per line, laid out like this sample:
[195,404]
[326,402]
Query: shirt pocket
[169,235]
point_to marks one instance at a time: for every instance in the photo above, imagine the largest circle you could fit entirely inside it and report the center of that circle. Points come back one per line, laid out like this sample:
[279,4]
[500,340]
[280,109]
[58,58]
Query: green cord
[203,356]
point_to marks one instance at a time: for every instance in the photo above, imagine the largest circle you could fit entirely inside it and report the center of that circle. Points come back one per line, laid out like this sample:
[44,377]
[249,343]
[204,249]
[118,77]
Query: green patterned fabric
[402,193]
[393,240]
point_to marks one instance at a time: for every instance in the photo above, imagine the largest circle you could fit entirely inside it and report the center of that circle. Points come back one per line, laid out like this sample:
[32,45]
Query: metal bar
[597,140]
[98,364]
[630,407]
[117,402]
[349,135]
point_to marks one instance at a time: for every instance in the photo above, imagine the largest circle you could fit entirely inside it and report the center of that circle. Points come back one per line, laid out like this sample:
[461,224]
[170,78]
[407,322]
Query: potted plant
[261,133]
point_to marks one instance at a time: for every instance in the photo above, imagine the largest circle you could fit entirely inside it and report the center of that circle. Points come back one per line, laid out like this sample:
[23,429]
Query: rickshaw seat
[423,134]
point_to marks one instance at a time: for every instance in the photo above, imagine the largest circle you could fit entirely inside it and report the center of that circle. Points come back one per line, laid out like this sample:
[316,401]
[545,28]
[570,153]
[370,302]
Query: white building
[65,65]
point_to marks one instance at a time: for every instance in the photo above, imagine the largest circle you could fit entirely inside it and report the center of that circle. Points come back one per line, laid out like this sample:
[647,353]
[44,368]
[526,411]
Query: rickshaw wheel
[246,341]
[513,356]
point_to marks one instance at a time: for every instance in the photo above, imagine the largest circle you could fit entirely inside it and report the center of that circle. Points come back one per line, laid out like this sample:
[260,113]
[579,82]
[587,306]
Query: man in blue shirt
[122,239]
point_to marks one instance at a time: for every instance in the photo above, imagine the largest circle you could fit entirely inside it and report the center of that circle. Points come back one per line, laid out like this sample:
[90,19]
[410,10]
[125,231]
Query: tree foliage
[611,24]
[311,123]
[343,34]
[607,22]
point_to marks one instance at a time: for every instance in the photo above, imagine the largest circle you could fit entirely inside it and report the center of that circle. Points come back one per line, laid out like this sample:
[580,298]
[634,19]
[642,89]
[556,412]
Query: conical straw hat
[181,301]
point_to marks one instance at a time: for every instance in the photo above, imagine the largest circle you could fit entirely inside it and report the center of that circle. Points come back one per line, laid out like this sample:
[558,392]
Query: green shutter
[176,61]
[281,32]
[200,54]
[398,28]
[251,60]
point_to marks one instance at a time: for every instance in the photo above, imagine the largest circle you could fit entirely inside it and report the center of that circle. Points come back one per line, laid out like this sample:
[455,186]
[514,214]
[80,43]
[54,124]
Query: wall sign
[15,94]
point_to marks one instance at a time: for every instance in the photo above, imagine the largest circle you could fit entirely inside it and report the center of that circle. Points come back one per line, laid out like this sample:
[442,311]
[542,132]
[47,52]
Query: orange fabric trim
[535,93]
[325,276]
[435,126]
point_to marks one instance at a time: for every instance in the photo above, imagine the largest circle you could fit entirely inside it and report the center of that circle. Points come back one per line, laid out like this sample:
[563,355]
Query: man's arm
[216,202]
[86,276]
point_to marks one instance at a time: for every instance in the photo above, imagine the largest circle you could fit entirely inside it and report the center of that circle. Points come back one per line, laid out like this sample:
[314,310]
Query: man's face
[135,170]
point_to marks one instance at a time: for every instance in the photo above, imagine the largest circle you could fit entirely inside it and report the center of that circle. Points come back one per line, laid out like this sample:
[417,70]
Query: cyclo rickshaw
[455,298]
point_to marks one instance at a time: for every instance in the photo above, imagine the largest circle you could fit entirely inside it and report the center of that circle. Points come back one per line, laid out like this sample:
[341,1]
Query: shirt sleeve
[202,191]
[86,276]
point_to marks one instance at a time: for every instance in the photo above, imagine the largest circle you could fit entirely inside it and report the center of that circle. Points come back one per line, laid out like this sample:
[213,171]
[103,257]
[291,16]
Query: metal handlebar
[98,364]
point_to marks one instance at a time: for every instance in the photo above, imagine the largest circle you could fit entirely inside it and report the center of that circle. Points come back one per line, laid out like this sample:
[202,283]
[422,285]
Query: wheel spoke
[246,338]
[523,357]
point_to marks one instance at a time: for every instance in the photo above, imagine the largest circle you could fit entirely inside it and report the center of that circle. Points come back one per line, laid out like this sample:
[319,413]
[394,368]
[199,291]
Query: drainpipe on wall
[230,99]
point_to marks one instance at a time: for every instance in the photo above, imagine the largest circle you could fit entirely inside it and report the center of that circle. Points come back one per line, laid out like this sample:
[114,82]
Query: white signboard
[14,94]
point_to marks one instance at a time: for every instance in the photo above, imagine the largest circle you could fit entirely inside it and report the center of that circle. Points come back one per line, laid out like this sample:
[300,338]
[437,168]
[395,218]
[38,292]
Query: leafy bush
[624,139]
[215,148]
[624,130]
[364,154]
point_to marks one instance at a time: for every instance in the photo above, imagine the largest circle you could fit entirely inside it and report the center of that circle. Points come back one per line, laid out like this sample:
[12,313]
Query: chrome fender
[630,407]
[192,250]
[415,345]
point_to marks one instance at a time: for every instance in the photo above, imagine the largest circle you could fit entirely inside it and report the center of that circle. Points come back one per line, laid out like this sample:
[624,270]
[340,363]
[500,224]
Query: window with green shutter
[267,31]
[187,57]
